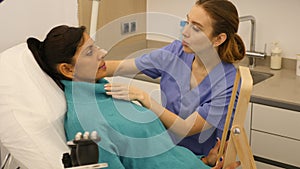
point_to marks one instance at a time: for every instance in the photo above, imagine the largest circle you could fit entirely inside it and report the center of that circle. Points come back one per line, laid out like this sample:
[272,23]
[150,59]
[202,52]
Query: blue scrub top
[210,98]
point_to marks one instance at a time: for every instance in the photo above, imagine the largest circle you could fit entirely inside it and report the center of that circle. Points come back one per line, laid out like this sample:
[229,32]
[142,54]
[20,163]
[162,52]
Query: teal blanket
[132,136]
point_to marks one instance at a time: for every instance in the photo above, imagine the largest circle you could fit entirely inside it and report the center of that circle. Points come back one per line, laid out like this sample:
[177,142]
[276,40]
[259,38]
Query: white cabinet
[260,165]
[275,134]
[247,122]
[277,121]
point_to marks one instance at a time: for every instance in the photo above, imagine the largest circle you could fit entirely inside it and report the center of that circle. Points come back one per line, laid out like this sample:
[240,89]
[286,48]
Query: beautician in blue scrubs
[196,75]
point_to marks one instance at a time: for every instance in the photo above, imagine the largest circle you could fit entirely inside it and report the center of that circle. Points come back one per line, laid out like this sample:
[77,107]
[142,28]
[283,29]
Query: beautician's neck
[198,60]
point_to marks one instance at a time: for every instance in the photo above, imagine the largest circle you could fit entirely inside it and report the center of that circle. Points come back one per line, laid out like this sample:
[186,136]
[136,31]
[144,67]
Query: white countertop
[283,87]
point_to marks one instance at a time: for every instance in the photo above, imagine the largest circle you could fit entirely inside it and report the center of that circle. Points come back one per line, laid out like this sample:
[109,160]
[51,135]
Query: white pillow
[32,109]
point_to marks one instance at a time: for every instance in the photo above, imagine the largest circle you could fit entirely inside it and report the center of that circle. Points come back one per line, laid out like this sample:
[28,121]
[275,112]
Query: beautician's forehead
[198,15]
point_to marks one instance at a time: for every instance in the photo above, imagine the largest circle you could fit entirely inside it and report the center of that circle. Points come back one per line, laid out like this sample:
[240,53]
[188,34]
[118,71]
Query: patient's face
[89,61]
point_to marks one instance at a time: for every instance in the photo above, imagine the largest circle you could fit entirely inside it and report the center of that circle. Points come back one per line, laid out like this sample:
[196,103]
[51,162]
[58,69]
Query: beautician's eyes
[194,27]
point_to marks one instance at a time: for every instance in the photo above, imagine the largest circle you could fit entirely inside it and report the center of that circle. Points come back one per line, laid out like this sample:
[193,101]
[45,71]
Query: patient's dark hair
[59,46]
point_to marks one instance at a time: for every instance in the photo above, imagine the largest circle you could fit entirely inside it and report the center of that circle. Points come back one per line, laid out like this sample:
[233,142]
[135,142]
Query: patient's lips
[103,66]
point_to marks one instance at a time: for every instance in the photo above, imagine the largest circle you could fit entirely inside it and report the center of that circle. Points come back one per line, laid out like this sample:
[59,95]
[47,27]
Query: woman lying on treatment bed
[133,137]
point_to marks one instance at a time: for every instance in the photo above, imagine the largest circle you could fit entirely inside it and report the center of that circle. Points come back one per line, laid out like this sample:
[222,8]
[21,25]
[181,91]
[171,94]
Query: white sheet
[32,109]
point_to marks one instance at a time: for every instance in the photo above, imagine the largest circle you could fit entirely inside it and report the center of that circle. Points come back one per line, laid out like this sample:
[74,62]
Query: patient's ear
[66,69]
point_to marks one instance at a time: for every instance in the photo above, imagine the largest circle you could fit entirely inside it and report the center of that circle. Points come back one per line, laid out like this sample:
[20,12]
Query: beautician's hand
[231,166]
[125,92]
[212,156]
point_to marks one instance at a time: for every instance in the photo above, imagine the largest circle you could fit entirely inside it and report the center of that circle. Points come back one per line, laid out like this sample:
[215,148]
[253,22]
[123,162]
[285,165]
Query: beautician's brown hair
[225,20]
[59,46]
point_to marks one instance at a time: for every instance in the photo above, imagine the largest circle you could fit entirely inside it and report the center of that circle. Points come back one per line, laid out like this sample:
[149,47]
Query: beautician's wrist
[142,98]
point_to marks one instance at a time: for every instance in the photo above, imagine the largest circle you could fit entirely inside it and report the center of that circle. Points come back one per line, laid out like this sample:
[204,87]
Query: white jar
[276,62]
[298,65]
[276,57]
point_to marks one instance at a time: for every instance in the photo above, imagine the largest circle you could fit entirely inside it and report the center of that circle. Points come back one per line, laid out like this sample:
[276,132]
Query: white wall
[277,20]
[110,34]
[163,19]
[23,18]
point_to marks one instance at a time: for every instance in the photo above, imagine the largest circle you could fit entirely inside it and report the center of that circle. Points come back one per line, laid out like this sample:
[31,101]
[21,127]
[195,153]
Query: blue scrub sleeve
[214,115]
[156,62]
[149,64]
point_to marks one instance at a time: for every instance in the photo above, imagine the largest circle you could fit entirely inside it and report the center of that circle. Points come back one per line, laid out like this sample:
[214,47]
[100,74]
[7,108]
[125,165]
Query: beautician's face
[88,61]
[198,30]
